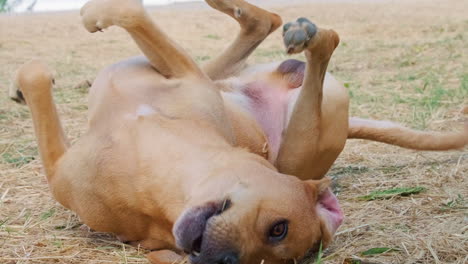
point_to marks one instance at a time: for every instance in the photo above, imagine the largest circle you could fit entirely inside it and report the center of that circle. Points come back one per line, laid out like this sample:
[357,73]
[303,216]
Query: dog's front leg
[33,85]
[164,54]
[256,24]
[304,151]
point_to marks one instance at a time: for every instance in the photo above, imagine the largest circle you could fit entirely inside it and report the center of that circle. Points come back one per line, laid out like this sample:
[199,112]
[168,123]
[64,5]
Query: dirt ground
[405,61]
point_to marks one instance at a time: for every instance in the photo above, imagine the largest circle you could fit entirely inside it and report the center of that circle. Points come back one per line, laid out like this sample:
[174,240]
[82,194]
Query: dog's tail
[395,134]
[32,85]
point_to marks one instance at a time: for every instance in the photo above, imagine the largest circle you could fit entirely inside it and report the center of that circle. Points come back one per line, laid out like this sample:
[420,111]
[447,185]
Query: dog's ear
[318,187]
[326,204]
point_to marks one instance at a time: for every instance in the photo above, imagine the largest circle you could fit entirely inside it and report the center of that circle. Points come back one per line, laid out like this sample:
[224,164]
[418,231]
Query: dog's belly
[132,88]
[270,106]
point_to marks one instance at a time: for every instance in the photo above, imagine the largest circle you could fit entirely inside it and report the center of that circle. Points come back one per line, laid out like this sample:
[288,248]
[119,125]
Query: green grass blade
[387,194]
[376,251]
[319,255]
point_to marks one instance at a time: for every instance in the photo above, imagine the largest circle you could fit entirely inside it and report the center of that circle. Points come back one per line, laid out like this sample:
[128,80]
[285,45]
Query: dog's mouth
[190,229]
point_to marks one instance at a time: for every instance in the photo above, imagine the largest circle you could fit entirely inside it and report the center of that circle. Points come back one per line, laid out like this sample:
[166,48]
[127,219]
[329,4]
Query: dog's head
[274,221]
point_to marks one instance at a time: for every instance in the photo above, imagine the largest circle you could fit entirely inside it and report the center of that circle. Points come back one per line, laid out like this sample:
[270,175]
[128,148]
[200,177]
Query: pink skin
[269,102]
[329,208]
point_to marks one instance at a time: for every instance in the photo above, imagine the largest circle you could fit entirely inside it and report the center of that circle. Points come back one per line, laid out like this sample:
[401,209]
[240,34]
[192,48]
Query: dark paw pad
[296,35]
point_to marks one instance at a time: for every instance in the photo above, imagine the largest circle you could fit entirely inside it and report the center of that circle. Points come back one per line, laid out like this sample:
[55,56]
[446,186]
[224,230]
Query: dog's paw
[250,17]
[297,35]
[32,80]
[101,14]
[304,35]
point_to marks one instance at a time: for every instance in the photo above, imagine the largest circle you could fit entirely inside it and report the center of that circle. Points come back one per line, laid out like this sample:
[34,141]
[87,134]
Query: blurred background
[59,5]
[19,6]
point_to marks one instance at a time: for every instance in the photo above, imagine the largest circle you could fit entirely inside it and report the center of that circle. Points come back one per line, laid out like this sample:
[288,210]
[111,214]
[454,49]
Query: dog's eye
[278,231]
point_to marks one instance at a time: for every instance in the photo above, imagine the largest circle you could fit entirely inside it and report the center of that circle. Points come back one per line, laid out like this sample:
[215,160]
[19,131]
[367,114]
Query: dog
[222,163]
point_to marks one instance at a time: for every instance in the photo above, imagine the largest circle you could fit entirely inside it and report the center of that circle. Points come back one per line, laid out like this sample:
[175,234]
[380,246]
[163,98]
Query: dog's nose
[230,258]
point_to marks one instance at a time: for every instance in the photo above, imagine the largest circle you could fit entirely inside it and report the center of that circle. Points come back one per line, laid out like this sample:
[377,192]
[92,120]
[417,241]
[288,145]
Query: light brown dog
[197,161]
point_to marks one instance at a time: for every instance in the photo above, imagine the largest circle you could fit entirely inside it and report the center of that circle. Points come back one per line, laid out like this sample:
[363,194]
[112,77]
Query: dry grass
[401,61]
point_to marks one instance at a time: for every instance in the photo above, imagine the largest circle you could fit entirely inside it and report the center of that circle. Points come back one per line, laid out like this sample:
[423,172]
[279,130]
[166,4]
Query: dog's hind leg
[168,58]
[315,135]
[256,24]
[33,85]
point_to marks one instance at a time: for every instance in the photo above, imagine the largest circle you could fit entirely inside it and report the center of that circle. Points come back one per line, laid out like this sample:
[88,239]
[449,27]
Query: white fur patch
[145,110]
[142,110]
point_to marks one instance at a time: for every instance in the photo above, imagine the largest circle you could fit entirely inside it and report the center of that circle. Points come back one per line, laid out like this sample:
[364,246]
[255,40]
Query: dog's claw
[296,35]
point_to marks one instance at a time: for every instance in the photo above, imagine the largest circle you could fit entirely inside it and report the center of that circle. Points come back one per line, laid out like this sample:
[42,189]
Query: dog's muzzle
[195,235]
